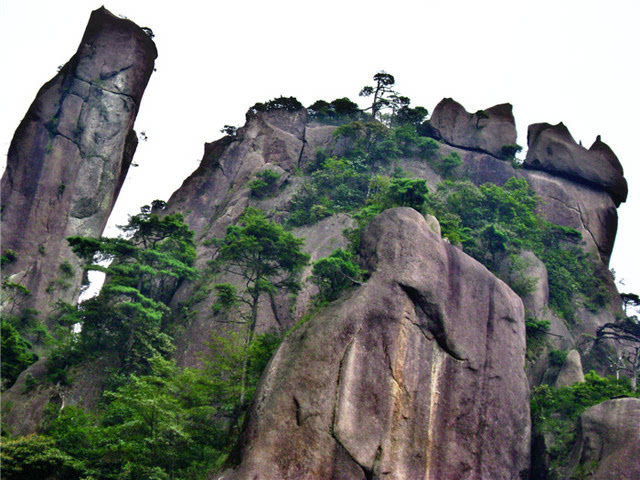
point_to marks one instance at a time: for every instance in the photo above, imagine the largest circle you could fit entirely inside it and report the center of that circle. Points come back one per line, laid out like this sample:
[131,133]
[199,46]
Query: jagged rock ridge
[71,153]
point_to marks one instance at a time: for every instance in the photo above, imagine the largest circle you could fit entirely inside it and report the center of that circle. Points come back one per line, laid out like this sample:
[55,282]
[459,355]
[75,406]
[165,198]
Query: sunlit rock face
[70,155]
[417,374]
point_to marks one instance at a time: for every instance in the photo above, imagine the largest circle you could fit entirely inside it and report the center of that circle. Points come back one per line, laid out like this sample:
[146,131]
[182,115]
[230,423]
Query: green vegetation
[556,411]
[338,111]
[130,316]
[335,273]
[15,354]
[265,183]
[8,257]
[536,334]
[290,104]
[267,259]
[168,424]
[493,222]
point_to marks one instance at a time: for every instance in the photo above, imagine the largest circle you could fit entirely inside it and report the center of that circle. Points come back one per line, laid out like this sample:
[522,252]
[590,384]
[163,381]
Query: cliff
[422,367]
[391,382]
[69,158]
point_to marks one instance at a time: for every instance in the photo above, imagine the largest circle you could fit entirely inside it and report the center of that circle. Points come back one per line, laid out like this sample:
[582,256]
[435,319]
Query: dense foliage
[493,222]
[130,317]
[336,273]
[168,424]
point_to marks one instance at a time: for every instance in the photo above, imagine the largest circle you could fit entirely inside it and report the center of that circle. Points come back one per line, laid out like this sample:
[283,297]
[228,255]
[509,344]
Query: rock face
[608,444]
[553,150]
[70,155]
[571,372]
[217,193]
[486,130]
[417,374]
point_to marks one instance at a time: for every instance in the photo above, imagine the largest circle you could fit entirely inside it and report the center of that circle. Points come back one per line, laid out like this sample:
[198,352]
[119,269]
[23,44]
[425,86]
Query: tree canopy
[143,271]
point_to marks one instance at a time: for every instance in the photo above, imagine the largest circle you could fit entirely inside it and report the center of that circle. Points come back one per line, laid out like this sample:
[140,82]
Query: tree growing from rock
[130,314]
[267,259]
[385,97]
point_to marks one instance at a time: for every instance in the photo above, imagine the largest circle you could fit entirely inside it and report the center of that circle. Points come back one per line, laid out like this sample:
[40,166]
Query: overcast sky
[560,60]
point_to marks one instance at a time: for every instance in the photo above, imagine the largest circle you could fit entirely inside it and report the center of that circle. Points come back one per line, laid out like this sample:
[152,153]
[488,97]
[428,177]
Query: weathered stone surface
[553,149]
[608,444]
[417,374]
[71,153]
[530,273]
[571,372]
[217,193]
[487,130]
[23,406]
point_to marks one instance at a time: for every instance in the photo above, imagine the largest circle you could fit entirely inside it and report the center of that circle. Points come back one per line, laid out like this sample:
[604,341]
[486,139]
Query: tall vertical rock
[70,155]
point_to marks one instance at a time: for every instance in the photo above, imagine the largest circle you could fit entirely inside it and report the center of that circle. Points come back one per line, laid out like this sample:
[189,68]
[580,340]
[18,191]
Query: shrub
[558,357]
[265,184]
[290,104]
[335,273]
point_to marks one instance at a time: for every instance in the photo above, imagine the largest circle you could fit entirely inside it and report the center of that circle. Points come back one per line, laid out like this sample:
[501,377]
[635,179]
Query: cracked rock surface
[70,155]
[417,374]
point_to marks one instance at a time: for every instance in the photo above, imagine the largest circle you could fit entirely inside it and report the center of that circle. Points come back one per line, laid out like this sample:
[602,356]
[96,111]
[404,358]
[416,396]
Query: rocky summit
[336,292]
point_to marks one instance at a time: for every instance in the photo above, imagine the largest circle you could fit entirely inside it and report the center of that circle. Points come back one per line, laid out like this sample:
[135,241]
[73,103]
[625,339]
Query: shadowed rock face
[487,131]
[608,444]
[71,153]
[553,150]
[417,374]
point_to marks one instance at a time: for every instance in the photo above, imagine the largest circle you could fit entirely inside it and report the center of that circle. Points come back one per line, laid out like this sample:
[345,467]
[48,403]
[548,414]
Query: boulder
[70,155]
[571,371]
[486,130]
[416,374]
[608,443]
[552,149]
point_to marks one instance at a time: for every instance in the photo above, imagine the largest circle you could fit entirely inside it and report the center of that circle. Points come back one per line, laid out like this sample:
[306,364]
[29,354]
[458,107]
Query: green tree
[130,315]
[335,273]
[15,354]
[36,456]
[266,258]
[384,96]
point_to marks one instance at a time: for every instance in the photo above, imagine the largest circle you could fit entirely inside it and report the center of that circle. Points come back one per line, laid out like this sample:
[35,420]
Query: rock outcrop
[571,372]
[217,193]
[416,374]
[70,155]
[552,149]
[486,130]
[608,444]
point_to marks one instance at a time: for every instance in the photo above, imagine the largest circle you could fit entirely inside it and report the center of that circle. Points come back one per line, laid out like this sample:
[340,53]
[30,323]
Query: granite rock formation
[392,381]
[608,441]
[552,149]
[70,155]
[217,193]
[571,372]
[485,131]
